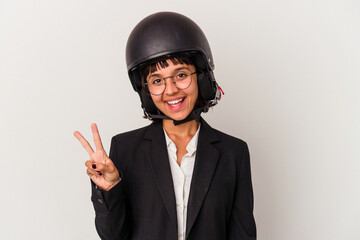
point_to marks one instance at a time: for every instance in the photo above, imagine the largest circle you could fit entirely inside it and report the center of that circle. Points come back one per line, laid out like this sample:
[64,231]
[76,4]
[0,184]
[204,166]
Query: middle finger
[97,139]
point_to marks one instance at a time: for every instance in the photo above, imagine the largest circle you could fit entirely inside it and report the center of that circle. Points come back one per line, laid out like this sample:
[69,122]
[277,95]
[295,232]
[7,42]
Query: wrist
[114,184]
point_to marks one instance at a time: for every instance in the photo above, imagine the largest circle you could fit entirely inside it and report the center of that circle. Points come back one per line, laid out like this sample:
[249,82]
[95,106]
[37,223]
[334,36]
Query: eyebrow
[176,69]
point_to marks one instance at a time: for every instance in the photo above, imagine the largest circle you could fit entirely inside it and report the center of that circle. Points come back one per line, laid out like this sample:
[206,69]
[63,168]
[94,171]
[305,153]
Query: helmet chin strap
[194,114]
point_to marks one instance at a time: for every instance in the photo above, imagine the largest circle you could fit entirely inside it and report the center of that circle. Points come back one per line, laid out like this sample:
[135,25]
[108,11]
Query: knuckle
[88,163]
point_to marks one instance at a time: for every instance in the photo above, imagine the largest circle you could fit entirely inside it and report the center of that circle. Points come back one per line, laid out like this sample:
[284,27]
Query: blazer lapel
[205,165]
[156,152]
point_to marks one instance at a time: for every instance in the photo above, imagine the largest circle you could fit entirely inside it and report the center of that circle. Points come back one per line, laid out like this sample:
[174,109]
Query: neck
[182,130]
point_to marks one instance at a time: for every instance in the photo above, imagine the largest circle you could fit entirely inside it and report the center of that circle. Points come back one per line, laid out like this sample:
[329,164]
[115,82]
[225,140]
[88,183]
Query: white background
[290,72]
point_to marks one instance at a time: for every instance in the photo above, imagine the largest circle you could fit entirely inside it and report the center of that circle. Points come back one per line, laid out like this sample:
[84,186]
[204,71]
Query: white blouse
[181,176]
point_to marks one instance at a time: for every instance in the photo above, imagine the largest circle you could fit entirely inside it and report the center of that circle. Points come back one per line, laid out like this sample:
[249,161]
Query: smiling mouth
[175,101]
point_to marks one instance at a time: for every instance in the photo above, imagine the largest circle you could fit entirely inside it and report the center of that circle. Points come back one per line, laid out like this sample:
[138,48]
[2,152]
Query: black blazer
[142,206]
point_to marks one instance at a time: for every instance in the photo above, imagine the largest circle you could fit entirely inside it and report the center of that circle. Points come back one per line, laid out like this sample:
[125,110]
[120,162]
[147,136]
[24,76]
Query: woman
[177,178]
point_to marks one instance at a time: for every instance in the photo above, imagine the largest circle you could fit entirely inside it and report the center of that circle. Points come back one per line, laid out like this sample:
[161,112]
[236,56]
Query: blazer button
[100,201]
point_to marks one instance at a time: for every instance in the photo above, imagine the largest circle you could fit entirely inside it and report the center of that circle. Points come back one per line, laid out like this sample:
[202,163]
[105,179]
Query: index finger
[97,139]
[84,142]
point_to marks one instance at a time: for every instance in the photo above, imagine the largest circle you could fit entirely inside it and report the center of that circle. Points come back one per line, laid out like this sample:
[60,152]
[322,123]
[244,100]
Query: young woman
[177,178]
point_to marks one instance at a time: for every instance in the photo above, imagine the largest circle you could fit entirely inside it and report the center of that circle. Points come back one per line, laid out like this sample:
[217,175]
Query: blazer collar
[157,156]
[205,164]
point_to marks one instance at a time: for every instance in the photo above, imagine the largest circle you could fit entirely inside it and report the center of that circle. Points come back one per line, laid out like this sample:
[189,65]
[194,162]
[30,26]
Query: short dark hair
[161,63]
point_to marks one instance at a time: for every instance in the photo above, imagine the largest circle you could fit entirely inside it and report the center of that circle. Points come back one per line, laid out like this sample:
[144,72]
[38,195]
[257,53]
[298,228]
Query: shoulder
[131,138]
[229,139]
[131,135]
[135,137]
[220,137]
[231,142]
[126,145]
[226,143]
[233,151]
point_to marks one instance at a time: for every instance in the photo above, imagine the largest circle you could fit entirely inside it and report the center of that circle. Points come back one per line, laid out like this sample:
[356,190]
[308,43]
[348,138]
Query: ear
[207,88]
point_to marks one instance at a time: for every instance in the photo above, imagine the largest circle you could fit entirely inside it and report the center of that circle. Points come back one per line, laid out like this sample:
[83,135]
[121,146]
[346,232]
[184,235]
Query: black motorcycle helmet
[165,35]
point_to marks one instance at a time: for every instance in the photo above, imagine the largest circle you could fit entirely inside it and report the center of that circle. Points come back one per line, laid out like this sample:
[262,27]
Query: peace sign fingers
[100,168]
[84,143]
[97,139]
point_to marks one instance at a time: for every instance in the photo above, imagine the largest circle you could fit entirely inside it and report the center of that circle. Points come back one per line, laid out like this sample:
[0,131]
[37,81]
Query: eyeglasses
[182,80]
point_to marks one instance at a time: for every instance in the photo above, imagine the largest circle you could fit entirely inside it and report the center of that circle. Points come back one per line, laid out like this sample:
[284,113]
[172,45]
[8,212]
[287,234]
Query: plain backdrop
[290,71]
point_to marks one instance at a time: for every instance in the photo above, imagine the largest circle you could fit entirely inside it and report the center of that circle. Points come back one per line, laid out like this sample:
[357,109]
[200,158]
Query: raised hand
[100,168]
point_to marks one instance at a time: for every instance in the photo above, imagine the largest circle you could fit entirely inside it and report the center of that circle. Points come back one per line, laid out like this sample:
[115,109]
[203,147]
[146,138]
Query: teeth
[175,102]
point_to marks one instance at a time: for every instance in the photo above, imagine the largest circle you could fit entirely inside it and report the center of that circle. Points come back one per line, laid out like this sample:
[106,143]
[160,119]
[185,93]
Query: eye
[181,76]
[156,81]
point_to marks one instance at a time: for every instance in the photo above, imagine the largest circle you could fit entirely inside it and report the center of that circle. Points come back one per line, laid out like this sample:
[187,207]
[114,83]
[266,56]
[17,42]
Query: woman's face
[174,102]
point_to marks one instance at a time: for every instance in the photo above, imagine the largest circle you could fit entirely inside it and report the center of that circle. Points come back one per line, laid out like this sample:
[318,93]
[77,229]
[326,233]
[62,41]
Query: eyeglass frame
[190,75]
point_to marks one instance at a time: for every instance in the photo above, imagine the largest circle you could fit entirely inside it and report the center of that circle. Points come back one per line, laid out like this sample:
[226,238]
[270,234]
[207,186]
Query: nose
[170,87]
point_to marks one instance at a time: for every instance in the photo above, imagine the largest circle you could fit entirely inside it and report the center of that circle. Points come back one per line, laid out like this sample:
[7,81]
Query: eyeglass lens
[181,79]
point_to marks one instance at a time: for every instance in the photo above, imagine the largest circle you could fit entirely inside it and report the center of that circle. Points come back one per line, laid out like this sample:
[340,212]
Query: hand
[100,168]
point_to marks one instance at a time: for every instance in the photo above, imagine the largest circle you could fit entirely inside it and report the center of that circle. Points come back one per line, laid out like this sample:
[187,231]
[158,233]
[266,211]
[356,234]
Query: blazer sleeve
[242,225]
[111,216]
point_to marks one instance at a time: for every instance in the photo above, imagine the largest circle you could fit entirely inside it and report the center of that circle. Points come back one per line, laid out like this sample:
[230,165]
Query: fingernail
[94,166]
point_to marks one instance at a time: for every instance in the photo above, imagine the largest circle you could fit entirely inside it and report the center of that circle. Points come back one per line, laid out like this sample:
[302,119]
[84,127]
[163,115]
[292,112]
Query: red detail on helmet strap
[221,90]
